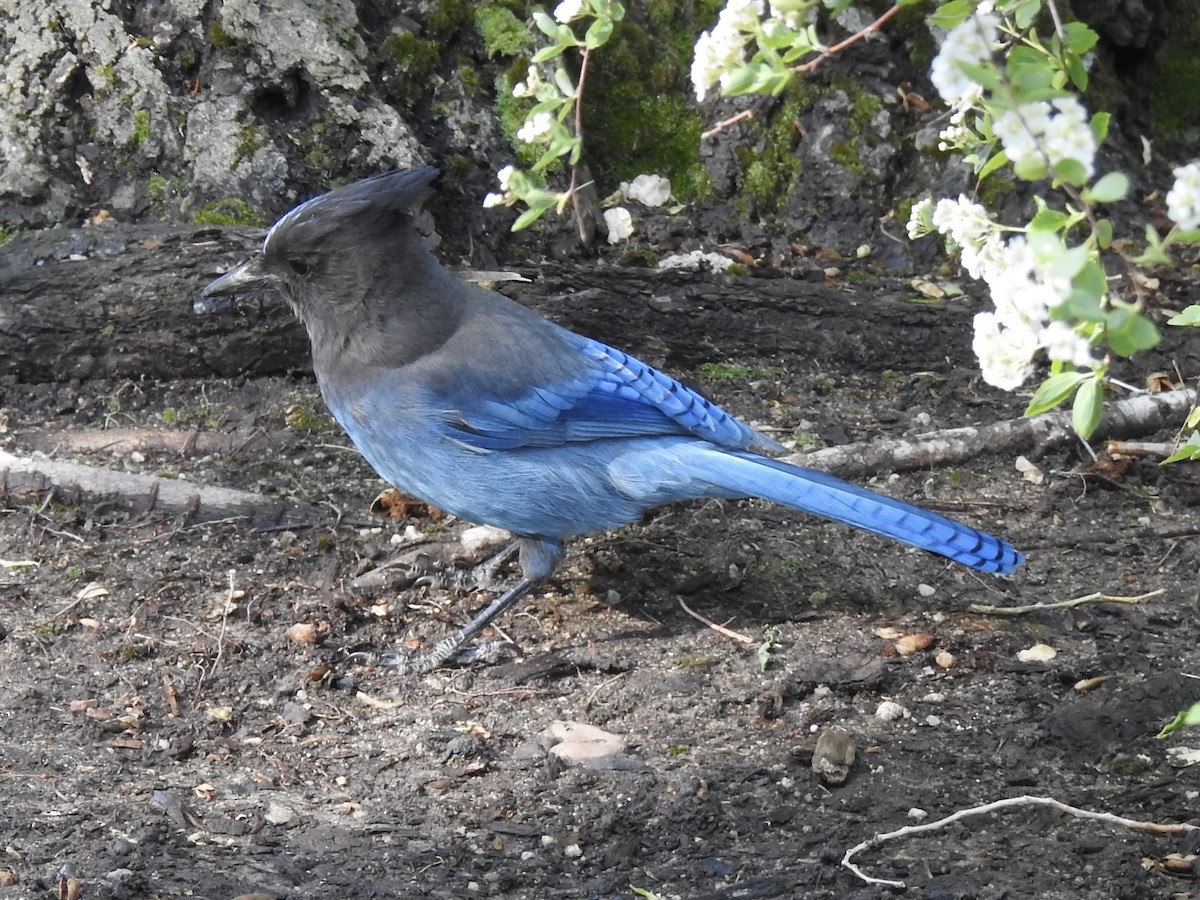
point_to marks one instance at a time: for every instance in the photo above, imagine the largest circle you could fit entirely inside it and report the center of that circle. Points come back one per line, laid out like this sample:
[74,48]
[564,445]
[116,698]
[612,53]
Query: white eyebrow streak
[287,218]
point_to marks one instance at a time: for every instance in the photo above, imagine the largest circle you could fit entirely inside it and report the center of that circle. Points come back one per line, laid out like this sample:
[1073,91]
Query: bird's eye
[299,266]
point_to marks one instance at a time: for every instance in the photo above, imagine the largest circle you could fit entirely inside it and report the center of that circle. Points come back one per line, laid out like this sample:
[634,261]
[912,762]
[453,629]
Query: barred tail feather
[824,495]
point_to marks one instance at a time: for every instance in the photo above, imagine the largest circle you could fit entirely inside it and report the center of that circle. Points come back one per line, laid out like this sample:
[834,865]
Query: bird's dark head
[328,250]
[348,262]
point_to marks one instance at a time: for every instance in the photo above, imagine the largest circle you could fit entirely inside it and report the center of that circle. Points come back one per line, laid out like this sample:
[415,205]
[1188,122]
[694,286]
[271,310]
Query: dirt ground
[165,735]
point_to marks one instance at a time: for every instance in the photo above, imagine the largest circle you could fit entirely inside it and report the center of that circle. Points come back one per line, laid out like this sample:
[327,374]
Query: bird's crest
[392,192]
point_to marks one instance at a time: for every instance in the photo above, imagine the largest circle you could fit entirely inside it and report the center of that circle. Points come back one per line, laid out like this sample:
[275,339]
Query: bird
[463,398]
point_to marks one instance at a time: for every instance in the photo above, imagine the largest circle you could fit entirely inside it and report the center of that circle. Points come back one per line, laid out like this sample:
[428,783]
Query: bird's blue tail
[747,474]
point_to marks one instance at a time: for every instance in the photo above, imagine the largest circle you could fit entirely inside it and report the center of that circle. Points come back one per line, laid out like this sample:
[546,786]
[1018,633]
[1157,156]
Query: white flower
[1183,200]
[1005,352]
[920,219]
[493,199]
[1052,131]
[568,10]
[1062,342]
[965,222]
[789,11]
[619,223]
[969,43]
[529,87]
[720,51]
[504,176]
[651,190]
[692,261]
[535,128]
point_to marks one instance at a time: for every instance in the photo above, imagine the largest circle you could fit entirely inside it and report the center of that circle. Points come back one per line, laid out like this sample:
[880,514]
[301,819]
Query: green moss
[161,191]
[230,211]
[317,157]
[727,372]
[468,77]
[250,140]
[218,36]
[413,62]
[1175,101]
[306,417]
[845,154]
[503,33]
[104,79]
[769,159]
[636,115]
[447,18]
[511,112]
[141,127]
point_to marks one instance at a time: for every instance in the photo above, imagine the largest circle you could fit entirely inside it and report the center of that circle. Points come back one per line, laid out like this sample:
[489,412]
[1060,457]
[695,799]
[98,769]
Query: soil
[166,734]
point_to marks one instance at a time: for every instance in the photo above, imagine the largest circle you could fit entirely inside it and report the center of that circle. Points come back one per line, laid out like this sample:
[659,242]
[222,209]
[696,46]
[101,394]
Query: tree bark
[115,302]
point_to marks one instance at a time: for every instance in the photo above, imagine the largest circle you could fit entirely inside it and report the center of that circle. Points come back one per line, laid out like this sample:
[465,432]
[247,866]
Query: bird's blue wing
[614,396]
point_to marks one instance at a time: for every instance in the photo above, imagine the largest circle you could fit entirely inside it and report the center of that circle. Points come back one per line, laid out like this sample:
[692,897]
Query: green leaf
[1128,331]
[1091,280]
[1079,37]
[952,14]
[997,161]
[1025,12]
[1104,233]
[563,82]
[527,218]
[740,81]
[1071,171]
[1047,219]
[985,75]
[598,33]
[1030,169]
[544,23]
[1070,262]
[1099,125]
[1054,390]
[1188,450]
[548,53]
[1089,404]
[1112,187]
[1077,73]
[1083,306]
[1190,316]
[1190,716]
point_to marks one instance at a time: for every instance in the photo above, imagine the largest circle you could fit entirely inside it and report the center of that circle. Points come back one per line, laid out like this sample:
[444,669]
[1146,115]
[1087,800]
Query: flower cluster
[1048,131]
[536,128]
[506,194]
[1024,284]
[1183,200]
[720,51]
[568,10]
[969,44]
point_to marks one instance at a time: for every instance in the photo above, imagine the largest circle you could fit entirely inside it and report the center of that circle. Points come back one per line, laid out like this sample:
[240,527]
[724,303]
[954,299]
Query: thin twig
[587,704]
[721,629]
[986,610]
[748,113]
[853,39]
[907,830]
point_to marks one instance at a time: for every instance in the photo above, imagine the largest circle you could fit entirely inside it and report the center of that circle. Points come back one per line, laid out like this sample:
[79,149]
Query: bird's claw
[488,653]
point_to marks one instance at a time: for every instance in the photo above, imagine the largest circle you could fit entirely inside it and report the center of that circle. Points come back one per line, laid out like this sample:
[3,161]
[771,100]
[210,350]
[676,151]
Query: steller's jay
[465,399]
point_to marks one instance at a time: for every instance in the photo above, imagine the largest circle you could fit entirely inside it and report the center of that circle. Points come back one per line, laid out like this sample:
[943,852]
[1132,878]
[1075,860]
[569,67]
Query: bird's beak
[219,295]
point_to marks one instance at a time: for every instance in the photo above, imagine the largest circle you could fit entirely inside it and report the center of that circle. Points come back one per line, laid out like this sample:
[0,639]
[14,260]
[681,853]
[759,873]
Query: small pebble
[1037,653]
[890,711]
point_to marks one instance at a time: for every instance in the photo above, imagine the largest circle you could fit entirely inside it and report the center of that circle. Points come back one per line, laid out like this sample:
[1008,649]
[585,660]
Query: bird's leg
[539,558]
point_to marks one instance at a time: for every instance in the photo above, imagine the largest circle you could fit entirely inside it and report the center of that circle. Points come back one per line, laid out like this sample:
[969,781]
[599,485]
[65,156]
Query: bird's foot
[424,661]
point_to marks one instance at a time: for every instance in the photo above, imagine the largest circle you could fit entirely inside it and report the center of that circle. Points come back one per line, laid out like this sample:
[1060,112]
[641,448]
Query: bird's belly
[554,492]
